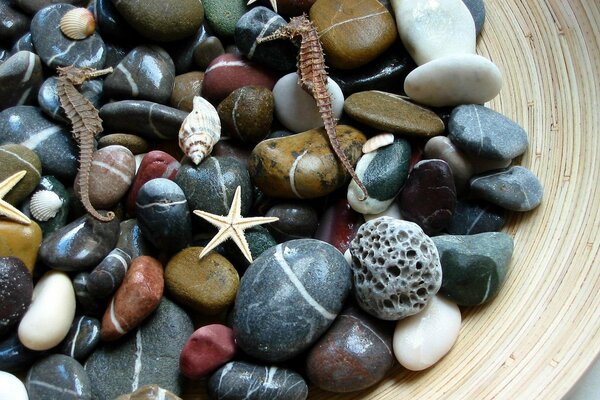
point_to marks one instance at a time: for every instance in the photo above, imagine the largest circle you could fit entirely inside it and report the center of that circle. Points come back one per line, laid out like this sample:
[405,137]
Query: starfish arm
[236,204]
[10,182]
[12,213]
[240,240]
[273,3]
[245,223]
[220,237]
[217,220]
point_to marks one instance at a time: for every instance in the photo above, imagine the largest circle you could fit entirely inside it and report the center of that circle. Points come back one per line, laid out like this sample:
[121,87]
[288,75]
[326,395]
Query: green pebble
[222,15]
[15,158]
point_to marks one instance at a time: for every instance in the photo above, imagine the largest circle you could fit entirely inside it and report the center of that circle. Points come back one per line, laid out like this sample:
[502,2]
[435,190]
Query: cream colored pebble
[11,387]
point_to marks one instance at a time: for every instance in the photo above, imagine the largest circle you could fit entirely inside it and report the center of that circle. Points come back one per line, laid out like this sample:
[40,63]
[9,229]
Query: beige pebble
[11,387]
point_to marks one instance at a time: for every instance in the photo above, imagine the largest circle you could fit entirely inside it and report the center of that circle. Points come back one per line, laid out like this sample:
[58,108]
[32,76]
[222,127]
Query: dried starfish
[232,226]
[7,209]
[273,3]
[86,125]
[313,79]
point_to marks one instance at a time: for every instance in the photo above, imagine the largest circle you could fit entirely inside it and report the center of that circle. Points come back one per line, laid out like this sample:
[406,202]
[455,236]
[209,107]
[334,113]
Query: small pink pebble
[208,348]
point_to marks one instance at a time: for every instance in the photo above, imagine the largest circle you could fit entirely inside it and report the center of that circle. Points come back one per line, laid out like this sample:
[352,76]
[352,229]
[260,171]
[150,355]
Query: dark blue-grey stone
[86,303]
[477,10]
[14,357]
[112,26]
[82,338]
[13,23]
[58,377]
[146,73]
[259,240]
[15,294]
[260,22]
[48,100]
[149,355]
[182,51]
[241,380]
[471,217]
[57,50]
[33,6]
[106,278]
[80,245]
[20,79]
[296,221]
[52,143]
[115,53]
[52,184]
[515,189]
[143,118]
[288,297]
[163,215]
[482,132]
[132,241]
[24,43]
[473,266]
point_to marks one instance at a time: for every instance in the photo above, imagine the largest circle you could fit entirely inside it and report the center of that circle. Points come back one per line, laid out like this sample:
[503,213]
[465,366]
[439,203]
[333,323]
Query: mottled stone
[206,350]
[82,339]
[59,375]
[471,217]
[222,15]
[21,241]
[15,158]
[11,387]
[20,79]
[14,357]
[134,143]
[296,221]
[16,292]
[49,102]
[338,225]
[185,88]
[149,392]
[107,276]
[247,113]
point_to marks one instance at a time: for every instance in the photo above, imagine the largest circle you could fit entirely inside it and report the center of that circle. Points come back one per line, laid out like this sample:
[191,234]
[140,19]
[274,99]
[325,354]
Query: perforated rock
[396,268]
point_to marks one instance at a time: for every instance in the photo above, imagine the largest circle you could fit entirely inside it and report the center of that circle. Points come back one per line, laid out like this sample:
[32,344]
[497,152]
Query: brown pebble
[186,87]
[135,144]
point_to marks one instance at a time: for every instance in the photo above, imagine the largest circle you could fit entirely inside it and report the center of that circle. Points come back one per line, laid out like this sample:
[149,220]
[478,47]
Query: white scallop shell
[377,141]
[44,205]
[200,130]
[78,23]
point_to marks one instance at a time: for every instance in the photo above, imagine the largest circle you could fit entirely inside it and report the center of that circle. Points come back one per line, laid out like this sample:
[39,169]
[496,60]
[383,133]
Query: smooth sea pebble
[208,348]
[482,132]
[296,221]
[58,376]
[515,189]
[352,34]
[421,340]
[137,297]
[474,266]
[114,54]
[481,165]
[182,51]
[150,355]
[24,43]
[86,303]
[135,144]
[163,215]
[57,50]
[80,245]
[163,24]
[107,276]
[392,211]
[53,143]
[476,216]
[14,23]
[383,172]
[112,26]
[11,387]
[454,80]
[259,240]
[15,158]
[149,392]
[260,22]
[442,148]
[82,339]
[146,73]
[21,241]
[141,117]
[32,6]
[392,113]
[232,71]
[20,79]
[207,51]
[14,357]
[297,110]
[16,292]
[132,241]
[354,354]
[338,225]
[303,166]
[48,319]
[311,278]
[48,100]
[432,30]
[242,380]
[185,88]
[429,196]
[396,268]
[247,113]
[477,10]
[222,15]
[207,285]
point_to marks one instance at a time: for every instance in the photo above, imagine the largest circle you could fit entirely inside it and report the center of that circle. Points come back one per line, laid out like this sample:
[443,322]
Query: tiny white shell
[200,130]
[377,141]
[78,23]
[44,205]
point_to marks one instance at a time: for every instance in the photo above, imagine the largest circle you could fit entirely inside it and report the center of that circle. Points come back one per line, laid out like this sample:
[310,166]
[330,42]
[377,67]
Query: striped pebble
[105,279]
[20,79]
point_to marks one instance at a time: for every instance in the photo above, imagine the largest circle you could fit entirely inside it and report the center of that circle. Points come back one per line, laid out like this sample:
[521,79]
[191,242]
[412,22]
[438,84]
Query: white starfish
[273,3]
[7,209]
[232,226]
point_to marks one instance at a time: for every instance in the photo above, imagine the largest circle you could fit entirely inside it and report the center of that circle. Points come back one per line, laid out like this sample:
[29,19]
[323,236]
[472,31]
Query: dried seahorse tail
[86,147]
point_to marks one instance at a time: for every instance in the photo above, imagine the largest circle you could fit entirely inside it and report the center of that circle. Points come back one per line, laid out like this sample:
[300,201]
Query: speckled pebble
[515,189]
[16,292]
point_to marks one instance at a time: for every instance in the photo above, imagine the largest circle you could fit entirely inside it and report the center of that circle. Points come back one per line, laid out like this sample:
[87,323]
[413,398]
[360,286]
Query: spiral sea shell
[44,205]
[78,23]
[200,130]
[377,141]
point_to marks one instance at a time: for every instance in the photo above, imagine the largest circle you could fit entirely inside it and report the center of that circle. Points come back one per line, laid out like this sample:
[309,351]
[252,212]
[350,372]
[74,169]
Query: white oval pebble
[434,29]
[296,109]
[423,339]
[11,387]
[392,211]
[454,80]
[51,313]
[354,194]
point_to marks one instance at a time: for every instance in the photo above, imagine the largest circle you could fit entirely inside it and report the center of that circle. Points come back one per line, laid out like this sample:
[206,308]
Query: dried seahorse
[313,78]
[86,124]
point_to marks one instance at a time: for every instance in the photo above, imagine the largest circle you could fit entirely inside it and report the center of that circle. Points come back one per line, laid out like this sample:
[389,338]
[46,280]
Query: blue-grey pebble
[115,53]
[288,297]
[238,380]
[86,303]
[58,377]
[146,73]
[14,357]
[82,338]
[48,101]
[20,79]
[33,6]
[132,241]
[143,118]
[107,276]
[182,51]
[163,215]
[482,132]
[57,50]
[112,26]
[149,355]
[4,54]
[296,221]
[259,240]
[13,23]
[477,10]
[476,216]
[23,43]
[53,143]
[516,188]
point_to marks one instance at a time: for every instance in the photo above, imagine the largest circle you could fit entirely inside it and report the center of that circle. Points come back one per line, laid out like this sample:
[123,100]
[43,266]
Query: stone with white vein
[58,377]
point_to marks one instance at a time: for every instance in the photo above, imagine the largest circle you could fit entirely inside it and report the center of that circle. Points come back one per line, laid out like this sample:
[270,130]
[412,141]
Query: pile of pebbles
[339,288]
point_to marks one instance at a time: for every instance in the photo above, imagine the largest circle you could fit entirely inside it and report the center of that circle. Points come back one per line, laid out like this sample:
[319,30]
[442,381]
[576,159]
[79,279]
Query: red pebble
[155,164]
[207,349]
[232,71]
[339,224]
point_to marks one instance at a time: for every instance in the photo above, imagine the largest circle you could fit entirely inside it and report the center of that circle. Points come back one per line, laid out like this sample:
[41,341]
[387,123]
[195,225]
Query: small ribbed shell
[378,141]
[44,205]
[78,23]
[200,130]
